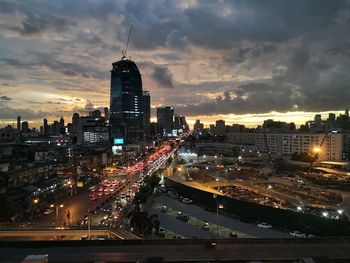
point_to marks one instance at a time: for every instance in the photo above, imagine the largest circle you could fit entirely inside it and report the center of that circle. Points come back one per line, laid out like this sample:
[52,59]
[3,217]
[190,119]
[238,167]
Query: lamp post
[57,206]
[217,215]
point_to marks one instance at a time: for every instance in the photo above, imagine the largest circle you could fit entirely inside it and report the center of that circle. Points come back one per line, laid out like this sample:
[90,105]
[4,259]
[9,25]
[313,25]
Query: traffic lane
[181,252]
[180,227]
[225,221]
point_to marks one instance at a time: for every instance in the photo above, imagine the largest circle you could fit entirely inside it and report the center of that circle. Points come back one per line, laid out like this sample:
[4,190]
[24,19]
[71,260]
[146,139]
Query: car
[48,211]
[179,215]
[85,237]
[206,226]
[185,218]
[233,235]
[187,200]
[164,208]
[210,245]
[264,225]
[296,233]
[162,232]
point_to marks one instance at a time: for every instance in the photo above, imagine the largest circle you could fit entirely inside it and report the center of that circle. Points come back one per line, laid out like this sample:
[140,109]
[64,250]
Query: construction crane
[127,42]
[268,151]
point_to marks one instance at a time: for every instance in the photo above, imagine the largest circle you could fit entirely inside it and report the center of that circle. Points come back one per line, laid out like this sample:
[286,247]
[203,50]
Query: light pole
[217,215]
[57,208]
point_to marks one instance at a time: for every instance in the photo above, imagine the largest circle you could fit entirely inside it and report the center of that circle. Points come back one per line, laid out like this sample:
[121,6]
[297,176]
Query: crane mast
[127,42]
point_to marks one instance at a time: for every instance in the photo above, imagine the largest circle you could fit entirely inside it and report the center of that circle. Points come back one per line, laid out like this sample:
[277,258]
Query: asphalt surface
[189,231]
[180,252]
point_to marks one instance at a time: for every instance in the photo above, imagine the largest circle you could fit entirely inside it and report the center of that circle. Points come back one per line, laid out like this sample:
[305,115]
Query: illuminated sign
[118,141]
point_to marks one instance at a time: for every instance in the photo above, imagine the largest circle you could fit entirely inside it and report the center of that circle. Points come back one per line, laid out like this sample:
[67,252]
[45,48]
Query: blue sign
[118,141]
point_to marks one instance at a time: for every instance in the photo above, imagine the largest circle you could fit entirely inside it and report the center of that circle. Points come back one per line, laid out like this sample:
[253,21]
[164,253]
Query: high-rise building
[75,119]
[146,112]
[165,117]
[46,127]
[198,126]
[126,105]
[96,114]
[61,126]
[25,126]
[106,112]
[220,127]
[19,123]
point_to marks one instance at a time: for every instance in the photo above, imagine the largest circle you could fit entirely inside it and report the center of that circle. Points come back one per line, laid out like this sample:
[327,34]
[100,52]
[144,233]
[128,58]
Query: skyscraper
[19,123]
[146,112]
[46,127]
[165,117]
[25,126]
[126,102]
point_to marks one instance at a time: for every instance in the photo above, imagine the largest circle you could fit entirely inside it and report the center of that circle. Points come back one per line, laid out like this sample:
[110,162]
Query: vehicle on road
[187,200]
[296,233]
[48,211]
[164,208]
[179,215]
[210,244]
[264,225]
[206,226]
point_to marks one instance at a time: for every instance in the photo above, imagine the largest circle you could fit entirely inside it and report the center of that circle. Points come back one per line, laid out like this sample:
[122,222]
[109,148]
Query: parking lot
[197,218]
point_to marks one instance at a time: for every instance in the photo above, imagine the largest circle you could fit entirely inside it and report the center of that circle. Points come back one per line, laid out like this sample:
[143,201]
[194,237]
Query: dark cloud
[163,77]
[5,98]
[286,53]
[28,114]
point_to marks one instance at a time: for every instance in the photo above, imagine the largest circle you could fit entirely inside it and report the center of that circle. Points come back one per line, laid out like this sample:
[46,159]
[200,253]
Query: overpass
[179,250]
[48,232]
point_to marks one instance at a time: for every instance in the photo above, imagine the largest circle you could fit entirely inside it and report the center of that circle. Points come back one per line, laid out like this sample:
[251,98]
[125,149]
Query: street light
[57,207]
[217,215]
[36,201]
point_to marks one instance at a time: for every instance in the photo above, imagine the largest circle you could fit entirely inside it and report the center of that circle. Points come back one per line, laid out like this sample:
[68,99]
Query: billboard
[118,141]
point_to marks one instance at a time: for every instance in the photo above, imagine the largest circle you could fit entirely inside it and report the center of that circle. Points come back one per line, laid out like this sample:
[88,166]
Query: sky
[240,60]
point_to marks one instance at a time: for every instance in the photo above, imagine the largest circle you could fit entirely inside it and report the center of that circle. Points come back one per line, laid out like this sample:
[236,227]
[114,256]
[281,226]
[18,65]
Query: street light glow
[317,149]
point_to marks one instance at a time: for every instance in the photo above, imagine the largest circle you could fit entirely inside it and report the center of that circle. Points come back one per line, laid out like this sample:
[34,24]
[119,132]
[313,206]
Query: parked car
[206,226]
[164,208]
[185,218]
[296,233]
[162,232]
[264,225]
[179,215]
[233,235]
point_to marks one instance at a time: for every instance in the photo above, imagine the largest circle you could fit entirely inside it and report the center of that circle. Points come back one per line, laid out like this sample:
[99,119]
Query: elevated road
[176,250]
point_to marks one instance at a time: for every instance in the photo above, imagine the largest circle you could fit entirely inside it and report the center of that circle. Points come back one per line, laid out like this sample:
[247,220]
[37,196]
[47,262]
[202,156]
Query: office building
[198,126]
[126,102]
[146,112]
[220,128]
[19,123]
[165,117]
[25,126]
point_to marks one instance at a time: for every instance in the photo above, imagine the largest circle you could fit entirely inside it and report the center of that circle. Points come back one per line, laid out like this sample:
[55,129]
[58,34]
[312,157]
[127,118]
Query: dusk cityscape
[174,131]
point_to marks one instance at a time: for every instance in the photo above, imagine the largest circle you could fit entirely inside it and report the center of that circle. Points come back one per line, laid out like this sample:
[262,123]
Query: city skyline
[55,58]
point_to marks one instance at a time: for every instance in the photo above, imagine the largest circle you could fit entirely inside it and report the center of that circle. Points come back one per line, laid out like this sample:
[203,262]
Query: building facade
[126,102]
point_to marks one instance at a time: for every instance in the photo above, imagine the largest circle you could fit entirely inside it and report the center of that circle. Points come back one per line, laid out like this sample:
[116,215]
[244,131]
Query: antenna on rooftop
[127,42]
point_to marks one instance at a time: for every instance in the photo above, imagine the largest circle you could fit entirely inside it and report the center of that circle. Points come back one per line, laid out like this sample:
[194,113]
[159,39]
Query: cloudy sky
[243,61]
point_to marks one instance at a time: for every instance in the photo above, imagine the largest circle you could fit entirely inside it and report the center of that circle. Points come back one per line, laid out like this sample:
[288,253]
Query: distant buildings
[146,98]
[198,127]
[165,118]
[282,145]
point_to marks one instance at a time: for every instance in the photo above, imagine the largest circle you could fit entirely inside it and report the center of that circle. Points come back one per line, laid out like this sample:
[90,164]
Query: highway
[181,251]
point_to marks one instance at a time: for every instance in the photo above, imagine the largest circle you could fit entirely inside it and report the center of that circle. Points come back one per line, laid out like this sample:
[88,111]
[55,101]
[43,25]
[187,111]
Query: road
[182,251]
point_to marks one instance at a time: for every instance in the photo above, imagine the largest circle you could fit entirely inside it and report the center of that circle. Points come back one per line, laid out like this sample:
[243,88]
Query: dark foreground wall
[251,212]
